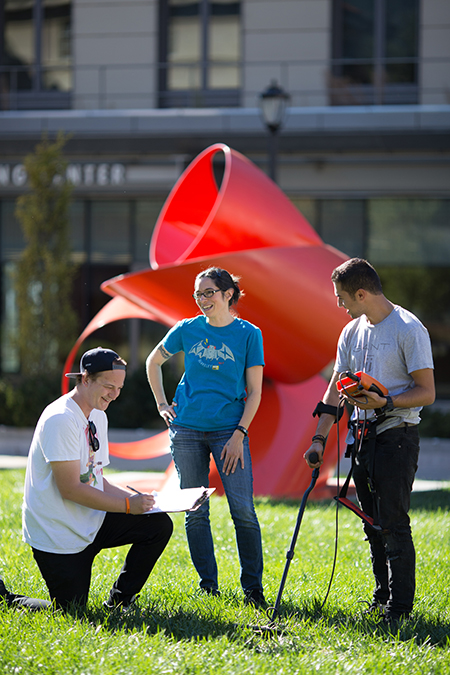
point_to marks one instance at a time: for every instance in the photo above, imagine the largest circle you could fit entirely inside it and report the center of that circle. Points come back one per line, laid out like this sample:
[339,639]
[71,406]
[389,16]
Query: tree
[47,322]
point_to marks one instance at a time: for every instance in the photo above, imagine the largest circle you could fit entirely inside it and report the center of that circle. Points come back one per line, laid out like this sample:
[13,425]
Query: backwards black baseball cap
[97,360]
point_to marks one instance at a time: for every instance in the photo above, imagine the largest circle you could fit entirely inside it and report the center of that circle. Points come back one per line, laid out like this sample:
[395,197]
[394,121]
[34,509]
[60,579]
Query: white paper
[189,499]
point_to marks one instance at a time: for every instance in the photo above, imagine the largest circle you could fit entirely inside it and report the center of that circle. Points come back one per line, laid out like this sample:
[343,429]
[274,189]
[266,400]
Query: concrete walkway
[15,443]
[433,472]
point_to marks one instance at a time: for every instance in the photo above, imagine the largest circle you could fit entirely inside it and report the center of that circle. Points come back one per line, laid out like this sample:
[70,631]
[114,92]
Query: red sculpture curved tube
[248,226]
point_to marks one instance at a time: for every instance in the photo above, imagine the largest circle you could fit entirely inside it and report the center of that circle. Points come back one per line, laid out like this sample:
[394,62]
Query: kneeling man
[70,511]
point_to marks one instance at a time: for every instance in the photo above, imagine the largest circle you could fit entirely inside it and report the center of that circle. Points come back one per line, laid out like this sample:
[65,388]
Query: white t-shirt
[389,351]
[51,523]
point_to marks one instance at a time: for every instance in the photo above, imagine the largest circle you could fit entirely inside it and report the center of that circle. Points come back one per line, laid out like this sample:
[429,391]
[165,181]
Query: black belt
[363,427]
[402,425]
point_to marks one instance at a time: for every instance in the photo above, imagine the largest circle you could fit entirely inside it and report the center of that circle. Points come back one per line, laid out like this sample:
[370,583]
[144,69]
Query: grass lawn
[177,630]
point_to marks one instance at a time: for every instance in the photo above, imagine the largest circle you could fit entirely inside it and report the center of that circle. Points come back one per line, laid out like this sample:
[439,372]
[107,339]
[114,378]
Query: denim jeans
[68,576]
[392,550]
[191,450]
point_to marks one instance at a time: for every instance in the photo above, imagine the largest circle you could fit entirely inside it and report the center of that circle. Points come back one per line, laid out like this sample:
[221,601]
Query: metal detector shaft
[290,553]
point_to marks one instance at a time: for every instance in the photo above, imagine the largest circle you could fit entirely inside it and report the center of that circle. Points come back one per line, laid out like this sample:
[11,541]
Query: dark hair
[223,280]
[357,273]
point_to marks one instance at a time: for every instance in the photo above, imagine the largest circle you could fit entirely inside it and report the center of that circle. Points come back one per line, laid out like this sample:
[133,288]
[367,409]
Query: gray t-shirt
[389,351]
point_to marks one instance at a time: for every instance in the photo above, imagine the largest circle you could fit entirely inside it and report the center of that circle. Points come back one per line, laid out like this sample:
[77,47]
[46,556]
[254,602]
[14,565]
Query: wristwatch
[389,407]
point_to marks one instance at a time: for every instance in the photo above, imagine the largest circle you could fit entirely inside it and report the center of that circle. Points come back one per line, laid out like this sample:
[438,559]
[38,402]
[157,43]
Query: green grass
[179,631]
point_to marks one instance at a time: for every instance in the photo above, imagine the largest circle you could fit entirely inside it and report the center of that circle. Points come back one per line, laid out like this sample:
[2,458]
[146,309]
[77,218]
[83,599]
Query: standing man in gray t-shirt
[391,345]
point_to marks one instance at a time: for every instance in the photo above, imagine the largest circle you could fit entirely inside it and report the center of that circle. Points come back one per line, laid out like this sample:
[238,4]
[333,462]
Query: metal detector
[290,553]
[273,612]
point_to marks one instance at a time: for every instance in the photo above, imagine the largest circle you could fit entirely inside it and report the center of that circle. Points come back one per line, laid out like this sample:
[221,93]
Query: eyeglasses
[93,440]
[208,293]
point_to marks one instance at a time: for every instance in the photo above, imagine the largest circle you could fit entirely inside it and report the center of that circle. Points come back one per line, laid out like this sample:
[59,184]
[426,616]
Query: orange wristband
[127,505]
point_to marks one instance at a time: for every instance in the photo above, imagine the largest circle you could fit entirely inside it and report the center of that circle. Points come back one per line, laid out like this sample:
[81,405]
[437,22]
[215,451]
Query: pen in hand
[134,490]
[143,495]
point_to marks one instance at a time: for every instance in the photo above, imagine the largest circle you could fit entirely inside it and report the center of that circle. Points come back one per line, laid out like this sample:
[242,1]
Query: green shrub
[43,279]
[434,424]
[135,408]
[23,398]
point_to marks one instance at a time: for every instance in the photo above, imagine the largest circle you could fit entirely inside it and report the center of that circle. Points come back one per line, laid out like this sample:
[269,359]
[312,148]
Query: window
[339,222]
[375,52]
[35,54]
[110,232]
[199,52]
[146,215]
[409,232]
[9,358]
[77,231]
[342,224]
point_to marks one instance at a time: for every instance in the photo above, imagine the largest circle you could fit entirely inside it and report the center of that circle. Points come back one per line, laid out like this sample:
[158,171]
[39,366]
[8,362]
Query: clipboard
[175,501]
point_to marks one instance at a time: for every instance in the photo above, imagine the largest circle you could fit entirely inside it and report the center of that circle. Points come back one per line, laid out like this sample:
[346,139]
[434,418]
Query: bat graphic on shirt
[211,353]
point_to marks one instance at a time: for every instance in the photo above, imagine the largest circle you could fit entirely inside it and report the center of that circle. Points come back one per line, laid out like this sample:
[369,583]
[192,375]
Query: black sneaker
[123,606]
[375,610]
[255,597]
[15,600]
[393,619]
[4,593]
[211,591]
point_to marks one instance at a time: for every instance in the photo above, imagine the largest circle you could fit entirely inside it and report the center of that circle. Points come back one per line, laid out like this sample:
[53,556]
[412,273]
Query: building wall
[374,181]
[287,41]
[377,174]
[115,49]
[435,52]
[115,46]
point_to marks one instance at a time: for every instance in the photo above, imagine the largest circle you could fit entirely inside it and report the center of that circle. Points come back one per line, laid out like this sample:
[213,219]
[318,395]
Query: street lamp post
[273,102]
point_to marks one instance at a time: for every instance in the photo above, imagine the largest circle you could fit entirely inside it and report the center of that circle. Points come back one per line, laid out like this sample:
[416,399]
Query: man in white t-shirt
[70,511]
[392,346]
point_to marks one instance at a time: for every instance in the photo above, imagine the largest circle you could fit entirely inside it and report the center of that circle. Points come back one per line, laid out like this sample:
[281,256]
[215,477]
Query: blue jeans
[392,549]
[191,450]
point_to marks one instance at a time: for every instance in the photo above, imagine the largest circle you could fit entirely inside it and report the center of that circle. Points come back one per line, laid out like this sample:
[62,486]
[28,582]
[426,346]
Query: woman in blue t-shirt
[214,404]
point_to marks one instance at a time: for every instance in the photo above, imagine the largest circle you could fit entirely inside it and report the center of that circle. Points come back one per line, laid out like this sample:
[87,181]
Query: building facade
[143,86]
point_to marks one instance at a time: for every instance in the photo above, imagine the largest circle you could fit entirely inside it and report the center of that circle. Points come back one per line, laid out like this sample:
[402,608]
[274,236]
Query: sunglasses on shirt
[93,440]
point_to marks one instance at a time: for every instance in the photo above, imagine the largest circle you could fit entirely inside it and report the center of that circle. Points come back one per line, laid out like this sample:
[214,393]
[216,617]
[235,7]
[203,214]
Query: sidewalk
[15,443]
[434,460]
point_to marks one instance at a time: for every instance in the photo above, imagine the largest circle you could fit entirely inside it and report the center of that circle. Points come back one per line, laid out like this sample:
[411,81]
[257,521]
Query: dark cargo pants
[68,576]
[392,550]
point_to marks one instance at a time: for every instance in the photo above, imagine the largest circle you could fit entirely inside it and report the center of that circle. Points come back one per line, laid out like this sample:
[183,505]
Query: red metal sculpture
[248,226]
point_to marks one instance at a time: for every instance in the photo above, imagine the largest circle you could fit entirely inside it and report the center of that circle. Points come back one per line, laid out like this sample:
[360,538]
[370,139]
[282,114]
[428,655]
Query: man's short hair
[357,273]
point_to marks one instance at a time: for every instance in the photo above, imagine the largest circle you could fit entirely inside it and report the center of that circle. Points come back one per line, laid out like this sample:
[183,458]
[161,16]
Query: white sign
[88,174]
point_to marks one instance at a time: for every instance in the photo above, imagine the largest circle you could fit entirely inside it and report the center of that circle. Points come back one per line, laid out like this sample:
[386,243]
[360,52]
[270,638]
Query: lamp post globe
[273,103]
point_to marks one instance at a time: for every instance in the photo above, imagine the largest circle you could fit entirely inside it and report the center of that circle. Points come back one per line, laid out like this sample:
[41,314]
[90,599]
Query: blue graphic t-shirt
[211,394]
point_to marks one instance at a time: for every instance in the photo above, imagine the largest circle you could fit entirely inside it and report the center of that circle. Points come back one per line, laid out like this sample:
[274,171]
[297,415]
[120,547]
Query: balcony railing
[35,88]
[309,83]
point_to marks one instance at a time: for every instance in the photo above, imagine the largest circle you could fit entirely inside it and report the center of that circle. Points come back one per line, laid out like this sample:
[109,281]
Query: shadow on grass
[298,623]
[179,623]
[294,625]
[421,630]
